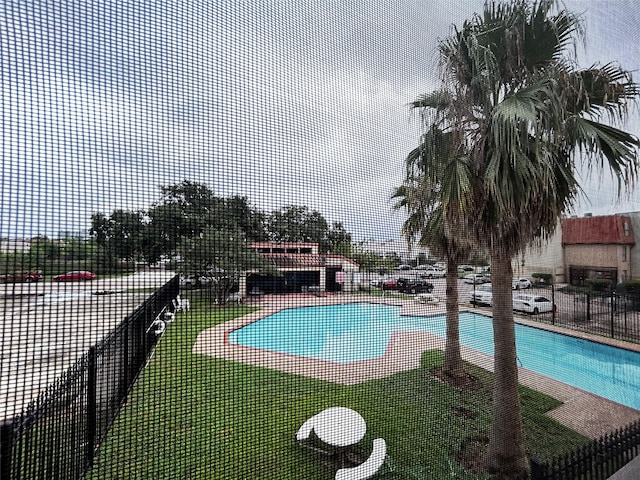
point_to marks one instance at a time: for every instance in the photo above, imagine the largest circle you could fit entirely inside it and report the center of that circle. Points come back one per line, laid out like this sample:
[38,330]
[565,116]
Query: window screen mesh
[201,252]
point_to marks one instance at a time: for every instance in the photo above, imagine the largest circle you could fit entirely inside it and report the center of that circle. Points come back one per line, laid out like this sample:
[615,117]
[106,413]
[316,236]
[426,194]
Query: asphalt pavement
[47,326]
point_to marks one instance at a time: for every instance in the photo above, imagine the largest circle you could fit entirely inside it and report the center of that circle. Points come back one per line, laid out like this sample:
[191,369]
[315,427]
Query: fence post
[588,307]
[613,299]
[553,304]
[90,436]
[6,448]
[123,387]
[537,468]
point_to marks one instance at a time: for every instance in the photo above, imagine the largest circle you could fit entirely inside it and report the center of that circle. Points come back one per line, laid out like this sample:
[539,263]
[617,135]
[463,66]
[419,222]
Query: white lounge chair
[370,467]
[180,304]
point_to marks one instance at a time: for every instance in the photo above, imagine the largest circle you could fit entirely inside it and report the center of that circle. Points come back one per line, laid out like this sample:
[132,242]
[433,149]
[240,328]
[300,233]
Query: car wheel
[536,311]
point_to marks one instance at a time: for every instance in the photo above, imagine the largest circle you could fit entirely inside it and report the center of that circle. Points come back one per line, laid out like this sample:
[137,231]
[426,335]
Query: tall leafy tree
[297,224]
[184,210]
[187,208]
[238,210]
[337,240]
[224,256]
[526,117]
[121,233]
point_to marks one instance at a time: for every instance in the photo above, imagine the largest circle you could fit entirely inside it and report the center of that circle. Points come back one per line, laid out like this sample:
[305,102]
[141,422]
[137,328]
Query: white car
[195,281]
[520,283]
[475,278]
[432,272]
[483,295]
[533,304]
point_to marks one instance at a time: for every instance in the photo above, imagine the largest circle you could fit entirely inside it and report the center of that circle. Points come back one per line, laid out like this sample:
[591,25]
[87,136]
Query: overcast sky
[284,102]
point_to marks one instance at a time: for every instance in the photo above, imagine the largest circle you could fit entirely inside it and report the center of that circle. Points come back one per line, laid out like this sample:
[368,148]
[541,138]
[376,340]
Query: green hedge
[630,286]
[599,284]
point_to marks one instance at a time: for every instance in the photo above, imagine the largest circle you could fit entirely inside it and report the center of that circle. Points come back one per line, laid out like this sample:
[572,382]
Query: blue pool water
[361,331]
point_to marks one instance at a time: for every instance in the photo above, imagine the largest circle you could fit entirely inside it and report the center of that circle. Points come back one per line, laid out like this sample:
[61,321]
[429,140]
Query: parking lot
[47,326]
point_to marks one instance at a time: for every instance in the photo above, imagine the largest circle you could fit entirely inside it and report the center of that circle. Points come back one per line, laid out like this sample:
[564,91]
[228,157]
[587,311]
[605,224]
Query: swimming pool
[361,331]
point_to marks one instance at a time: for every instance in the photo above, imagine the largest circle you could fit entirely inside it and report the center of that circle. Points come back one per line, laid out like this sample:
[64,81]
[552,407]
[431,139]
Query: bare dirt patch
[466,381]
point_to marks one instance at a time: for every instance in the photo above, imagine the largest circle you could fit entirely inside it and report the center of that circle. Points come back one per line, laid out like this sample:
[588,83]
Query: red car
[80,276]
[19,277]
[389,284]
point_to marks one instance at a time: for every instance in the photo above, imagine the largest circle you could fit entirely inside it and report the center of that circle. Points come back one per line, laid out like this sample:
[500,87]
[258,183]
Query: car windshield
[541,299]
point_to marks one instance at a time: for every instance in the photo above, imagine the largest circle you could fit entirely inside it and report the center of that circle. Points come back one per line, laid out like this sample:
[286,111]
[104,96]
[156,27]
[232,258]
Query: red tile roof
[604,230]
[283,260]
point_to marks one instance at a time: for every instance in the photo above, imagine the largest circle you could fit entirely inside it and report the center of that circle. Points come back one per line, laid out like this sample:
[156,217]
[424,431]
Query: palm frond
[600,142]
[600,89]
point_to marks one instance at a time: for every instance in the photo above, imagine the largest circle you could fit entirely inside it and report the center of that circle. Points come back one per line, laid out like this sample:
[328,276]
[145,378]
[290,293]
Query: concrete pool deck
[581,411]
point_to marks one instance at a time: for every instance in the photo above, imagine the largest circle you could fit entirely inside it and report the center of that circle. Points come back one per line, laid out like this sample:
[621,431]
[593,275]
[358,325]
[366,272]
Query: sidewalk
[631,471]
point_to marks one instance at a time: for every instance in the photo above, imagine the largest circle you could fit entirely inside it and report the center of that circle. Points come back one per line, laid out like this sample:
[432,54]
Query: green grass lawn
[196,417]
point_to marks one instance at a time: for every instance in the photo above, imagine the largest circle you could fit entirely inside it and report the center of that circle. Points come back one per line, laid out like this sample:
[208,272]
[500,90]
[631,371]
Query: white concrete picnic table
[339,426]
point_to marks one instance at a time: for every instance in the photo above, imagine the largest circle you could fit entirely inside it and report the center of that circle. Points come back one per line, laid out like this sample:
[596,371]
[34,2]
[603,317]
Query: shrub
[599,284]
[630,286]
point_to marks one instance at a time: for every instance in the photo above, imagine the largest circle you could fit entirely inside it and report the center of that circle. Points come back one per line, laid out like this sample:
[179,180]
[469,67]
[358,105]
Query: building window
[627,231]
[624,253]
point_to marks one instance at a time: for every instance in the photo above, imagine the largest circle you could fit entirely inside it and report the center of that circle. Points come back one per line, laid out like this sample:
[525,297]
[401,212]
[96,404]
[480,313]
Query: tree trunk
[452,357]
[505,455]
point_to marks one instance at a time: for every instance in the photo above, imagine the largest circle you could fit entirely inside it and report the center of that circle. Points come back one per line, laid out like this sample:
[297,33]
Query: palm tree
[526,118]
[431,205]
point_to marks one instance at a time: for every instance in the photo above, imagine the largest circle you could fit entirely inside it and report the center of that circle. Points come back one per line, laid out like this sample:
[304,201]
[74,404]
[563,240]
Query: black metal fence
[596,461]
[611,314]
[57,435]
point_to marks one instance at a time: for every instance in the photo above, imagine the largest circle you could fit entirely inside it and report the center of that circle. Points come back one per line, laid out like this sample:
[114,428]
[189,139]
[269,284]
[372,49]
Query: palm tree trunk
[452,357]
[505,454]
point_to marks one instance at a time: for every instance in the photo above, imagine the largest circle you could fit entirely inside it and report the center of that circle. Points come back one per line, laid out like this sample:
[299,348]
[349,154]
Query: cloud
[283,102]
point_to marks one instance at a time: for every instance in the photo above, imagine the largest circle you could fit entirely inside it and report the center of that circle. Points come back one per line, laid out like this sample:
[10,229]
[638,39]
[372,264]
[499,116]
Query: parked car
[433,272]
[389,284]
[406,285]
[78,276]
[475,278]
[465,268]
[520,283]
[483,295]
[22,277]
[403,267]
[195,281]
[533,304]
